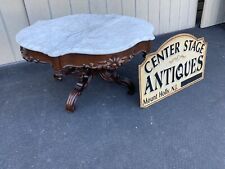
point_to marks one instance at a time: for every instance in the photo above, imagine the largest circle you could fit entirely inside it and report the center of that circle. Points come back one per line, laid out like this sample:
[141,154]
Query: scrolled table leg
[58,77]
[80,86]
[112,76]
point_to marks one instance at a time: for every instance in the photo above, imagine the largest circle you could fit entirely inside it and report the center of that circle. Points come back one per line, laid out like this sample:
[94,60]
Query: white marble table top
[85,34]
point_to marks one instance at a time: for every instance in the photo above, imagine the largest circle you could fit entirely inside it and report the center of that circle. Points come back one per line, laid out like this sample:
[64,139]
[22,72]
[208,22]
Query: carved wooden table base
[86,66]
[112,76]
[85,78]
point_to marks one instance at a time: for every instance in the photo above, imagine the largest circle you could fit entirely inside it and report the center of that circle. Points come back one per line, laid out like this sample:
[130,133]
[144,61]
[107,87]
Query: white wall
[165,15]
[213,13]
[12,19]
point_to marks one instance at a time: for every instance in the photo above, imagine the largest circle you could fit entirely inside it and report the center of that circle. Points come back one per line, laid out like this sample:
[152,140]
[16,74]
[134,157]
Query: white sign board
[177,64]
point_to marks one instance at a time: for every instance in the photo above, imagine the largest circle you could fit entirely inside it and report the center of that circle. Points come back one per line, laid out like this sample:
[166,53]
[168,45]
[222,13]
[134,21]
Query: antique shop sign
[177,64]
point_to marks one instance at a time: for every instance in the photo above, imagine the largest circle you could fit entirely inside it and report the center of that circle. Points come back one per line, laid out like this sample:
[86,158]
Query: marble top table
[85,45]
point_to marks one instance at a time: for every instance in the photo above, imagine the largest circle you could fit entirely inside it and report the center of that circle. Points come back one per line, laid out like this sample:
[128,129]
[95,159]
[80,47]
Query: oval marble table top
[85,34]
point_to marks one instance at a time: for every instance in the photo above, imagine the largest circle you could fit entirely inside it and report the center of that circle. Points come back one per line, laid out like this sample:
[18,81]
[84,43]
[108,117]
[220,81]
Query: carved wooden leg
[58,75]
[85,79]
[112,76]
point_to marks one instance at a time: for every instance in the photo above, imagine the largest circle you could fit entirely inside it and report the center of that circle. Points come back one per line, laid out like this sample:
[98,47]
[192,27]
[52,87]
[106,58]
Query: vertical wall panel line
[174,15]
[8,36]
[170,14]
[26,12]
[178,28]
[71,9]
[159,17]
[122,12]
[106,6]
[89,6]
[179,16]
[89,1]
[188,14]
[135,12]
[129,7]
[49,8]
[148,12]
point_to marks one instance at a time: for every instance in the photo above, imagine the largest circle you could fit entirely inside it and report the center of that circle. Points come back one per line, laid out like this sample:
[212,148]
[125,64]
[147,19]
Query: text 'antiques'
[178,63]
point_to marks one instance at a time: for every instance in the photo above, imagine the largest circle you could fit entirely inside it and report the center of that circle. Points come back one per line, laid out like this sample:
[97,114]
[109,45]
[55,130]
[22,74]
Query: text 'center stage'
[177,64]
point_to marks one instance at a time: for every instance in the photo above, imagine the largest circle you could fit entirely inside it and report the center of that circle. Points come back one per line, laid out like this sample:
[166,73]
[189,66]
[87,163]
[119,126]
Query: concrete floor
[109,130]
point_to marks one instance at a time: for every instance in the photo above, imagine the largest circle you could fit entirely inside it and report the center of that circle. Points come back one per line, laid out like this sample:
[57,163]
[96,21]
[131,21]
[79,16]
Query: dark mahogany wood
[112,76]
[85,79]
[86,66]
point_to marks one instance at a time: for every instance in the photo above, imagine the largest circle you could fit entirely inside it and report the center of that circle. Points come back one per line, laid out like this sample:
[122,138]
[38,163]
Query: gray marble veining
[85,34]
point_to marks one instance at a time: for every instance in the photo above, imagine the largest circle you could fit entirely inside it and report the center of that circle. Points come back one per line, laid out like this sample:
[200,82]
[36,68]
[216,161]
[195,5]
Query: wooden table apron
[85,66]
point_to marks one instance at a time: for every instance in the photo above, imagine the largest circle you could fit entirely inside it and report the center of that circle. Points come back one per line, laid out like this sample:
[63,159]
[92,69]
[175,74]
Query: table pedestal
[85,76]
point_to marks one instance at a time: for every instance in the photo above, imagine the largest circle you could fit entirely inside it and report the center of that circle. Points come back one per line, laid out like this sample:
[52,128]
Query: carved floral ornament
[115,62]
